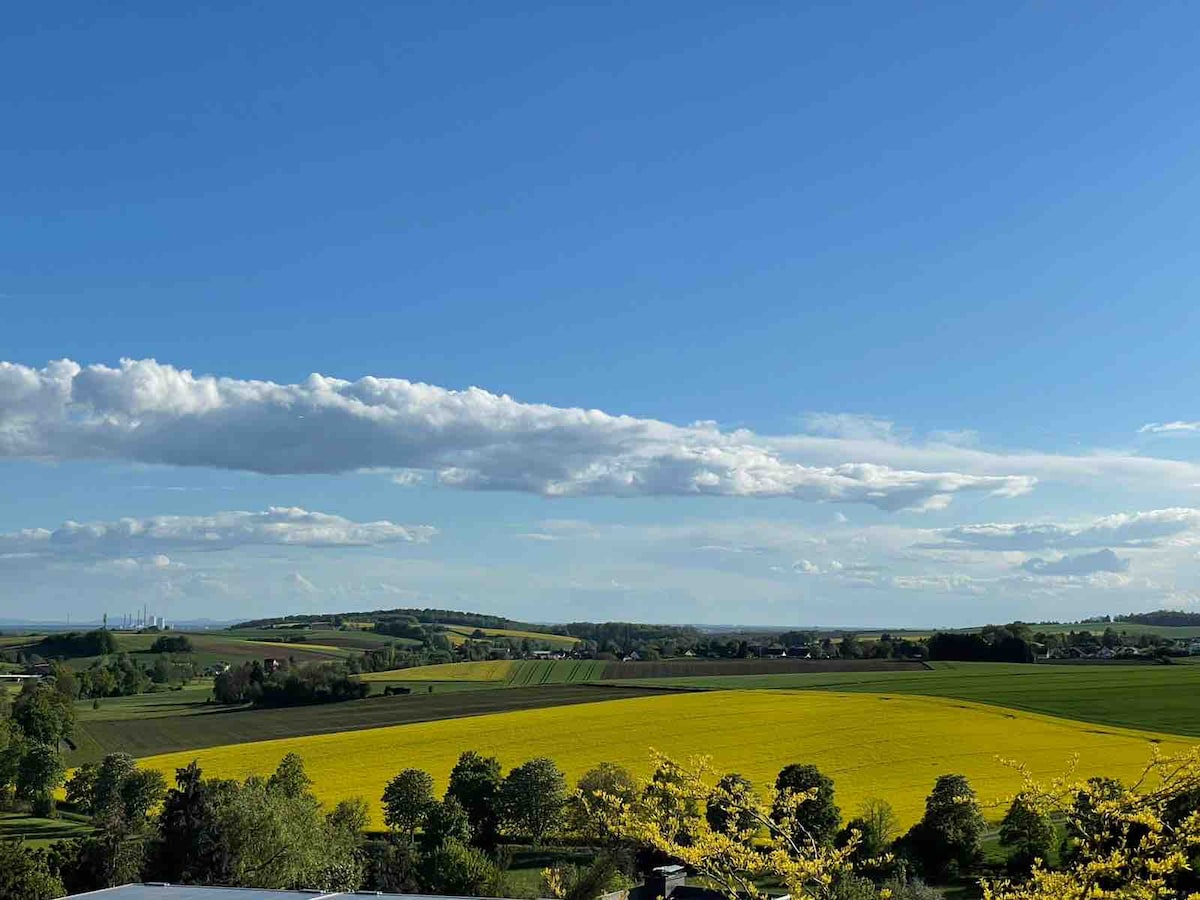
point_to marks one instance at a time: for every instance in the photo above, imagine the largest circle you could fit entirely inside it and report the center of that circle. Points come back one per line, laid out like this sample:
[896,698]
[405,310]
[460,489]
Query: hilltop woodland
[1067,839]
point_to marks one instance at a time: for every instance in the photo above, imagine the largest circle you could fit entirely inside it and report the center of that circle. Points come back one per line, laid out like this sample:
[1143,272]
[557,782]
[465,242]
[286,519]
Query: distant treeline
[301,686]
[426,615]
[1162,618]
[69,644]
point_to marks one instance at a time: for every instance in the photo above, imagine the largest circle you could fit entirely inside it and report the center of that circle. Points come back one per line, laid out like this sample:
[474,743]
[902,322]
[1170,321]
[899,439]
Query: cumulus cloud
[1083,564]
[129,538]
[1142,529]
[143,411]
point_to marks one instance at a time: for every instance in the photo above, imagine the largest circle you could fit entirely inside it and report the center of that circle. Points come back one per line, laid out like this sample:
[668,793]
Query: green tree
[1028,833]
[10,758]
[290,778]
[393,866]
[875,826]
[726,809]
[475,784]
[39,772]
[81,788]
[43,715]
[533,797]
[25,875]
[160,672]
[445,821]
[190,848]
[458,869]
[600,792]
[850,647]
[407,800]
[812,818]
[947,839]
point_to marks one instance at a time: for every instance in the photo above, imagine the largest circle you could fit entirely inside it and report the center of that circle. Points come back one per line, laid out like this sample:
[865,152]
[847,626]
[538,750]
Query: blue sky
[922,268]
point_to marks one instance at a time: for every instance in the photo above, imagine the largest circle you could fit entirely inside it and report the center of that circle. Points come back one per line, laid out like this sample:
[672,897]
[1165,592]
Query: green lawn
[38,832]
[1157,698]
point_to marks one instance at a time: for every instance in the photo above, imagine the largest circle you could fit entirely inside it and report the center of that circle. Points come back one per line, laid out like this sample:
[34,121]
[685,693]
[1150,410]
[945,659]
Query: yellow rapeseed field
[491,670]
[871,745]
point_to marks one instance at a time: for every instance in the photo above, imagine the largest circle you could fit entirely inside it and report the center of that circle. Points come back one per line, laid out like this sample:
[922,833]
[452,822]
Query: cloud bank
[1143,529]
[147,412]
[280,526]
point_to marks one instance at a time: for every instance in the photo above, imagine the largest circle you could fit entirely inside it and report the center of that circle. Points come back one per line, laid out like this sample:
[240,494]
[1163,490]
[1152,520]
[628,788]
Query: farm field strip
[555,671]
[210,726]
[871,746]
[734,667]
[1158,698]
[491,670]
[459,633]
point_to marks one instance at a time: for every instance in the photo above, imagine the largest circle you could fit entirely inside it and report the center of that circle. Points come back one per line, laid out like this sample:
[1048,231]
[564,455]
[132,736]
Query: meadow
[872,746]
[1155,698]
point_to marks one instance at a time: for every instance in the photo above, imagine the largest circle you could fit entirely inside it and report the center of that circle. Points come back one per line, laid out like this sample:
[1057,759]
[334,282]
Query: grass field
[734,667]
[189,700]
[1156,698]
[211,725]
[871,746]
[36,832]
[492,670]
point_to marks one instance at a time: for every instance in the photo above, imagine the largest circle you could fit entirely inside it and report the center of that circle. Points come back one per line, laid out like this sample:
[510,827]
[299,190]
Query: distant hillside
[426,616]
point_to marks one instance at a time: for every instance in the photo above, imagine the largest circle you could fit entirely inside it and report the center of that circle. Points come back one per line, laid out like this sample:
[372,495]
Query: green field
[554,671]
[1157,698]
[189,700]
[142,733]
[459,633]
[37,832]
[496,673]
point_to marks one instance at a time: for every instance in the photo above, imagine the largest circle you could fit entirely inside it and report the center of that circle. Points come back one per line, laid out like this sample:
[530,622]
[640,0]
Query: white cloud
[943,584]
[851,425]
[1083,564]
[1143,529]
[147,412]
[123,538]
[298,582]
[806,567]
[949,452]
[1170,428]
